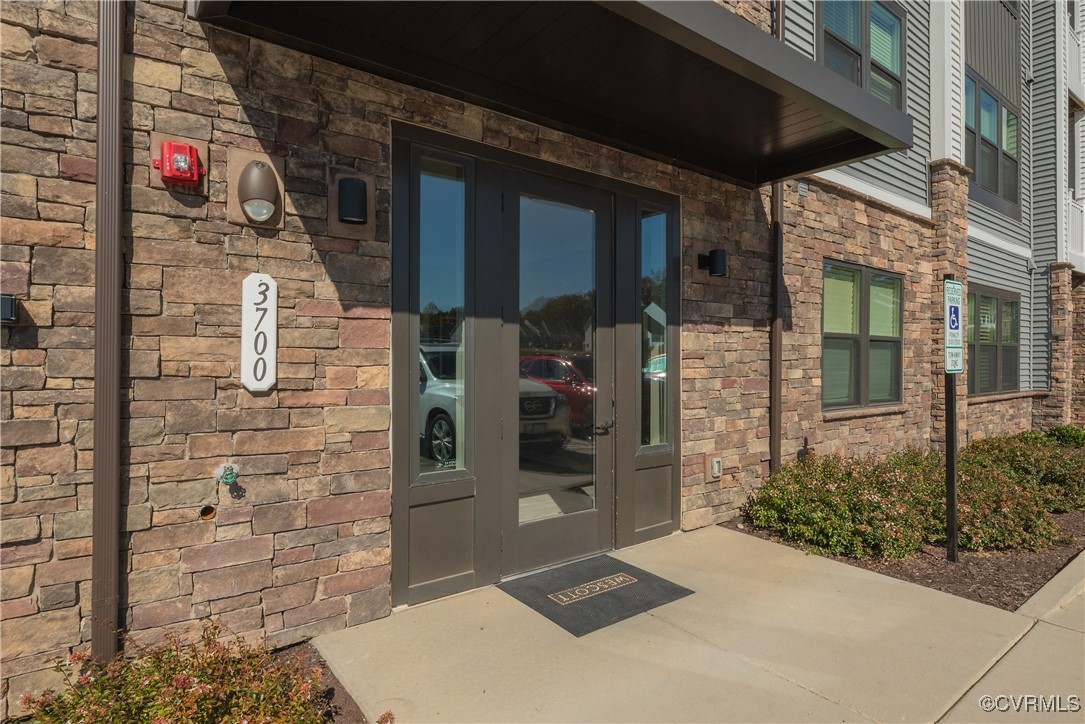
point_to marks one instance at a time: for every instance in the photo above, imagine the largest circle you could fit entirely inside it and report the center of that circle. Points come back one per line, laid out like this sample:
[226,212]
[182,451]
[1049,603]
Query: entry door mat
[591,594]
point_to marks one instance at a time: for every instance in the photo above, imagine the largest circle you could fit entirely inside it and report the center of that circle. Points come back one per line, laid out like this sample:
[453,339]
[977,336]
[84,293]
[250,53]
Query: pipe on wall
[776,331]
[108,280]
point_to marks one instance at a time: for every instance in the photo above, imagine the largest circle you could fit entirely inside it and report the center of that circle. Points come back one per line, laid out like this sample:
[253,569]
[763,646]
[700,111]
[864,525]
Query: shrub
[1068,435]
[844,507]
[888,508]
[211,680]
[1057,472]
[993,512]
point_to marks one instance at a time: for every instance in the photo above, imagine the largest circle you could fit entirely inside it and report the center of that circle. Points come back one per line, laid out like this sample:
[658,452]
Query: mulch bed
[1005,579]
[341,707]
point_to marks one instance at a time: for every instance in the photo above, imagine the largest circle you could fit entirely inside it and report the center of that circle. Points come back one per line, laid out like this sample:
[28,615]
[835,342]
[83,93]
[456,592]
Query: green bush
[888,508]
[1068,435]
[845,507]
[995,513]
[211,680]
[1057,472]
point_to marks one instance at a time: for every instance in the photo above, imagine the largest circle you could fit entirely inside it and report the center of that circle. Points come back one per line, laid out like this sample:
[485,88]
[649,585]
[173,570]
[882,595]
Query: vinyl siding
[998,59]
[904,173]
[1048,117]
[1000,269]
[990,220]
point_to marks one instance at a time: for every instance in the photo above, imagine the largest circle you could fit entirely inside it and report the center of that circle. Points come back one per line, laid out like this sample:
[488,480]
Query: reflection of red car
[572,376]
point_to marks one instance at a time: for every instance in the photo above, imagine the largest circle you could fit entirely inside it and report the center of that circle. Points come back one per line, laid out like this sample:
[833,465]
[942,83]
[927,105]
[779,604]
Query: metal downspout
[776,333]
[105,552]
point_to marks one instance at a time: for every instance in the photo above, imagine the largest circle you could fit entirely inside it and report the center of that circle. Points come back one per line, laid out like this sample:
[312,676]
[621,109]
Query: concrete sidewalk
[770,634]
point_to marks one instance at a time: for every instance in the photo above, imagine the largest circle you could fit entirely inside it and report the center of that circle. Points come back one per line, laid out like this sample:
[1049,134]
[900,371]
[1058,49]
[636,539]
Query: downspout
[105,551]
[776,332]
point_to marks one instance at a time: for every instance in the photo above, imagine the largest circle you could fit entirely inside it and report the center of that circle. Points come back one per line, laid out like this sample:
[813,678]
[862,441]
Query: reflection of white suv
[544,414]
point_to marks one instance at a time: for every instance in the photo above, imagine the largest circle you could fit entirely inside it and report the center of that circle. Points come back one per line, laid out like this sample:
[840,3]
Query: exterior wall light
[258,191]
[714,261]
[353,197]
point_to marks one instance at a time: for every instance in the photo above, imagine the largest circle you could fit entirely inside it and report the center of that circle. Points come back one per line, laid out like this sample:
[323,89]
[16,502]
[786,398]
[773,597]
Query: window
[862,316]
[991,147]
[655,301]
[994,347]
[864,42]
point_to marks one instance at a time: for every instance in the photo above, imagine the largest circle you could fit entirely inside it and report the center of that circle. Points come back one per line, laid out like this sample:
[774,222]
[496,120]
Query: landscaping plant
[1034,459]
[210,681]
[866,507]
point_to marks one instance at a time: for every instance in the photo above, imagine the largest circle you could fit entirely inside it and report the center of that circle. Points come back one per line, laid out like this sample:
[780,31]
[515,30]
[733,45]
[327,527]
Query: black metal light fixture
[258,191]
[353,201]
[9,309]
[714,261]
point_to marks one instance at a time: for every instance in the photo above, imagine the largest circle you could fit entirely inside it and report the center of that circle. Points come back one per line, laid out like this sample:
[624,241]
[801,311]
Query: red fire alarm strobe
[180,164]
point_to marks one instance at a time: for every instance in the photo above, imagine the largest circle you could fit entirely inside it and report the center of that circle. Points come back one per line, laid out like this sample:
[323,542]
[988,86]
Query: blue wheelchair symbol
[954,317]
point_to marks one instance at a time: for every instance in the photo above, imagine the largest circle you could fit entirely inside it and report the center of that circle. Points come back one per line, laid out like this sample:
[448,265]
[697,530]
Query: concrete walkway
[770,635]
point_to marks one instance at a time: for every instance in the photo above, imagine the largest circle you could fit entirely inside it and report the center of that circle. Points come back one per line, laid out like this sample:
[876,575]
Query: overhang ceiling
[688,83]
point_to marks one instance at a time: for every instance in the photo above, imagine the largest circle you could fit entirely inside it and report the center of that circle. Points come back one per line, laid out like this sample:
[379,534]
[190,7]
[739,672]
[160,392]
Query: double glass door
[512,309]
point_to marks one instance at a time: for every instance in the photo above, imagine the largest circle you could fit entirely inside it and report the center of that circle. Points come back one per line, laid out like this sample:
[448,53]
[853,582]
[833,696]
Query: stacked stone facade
[1077,402]
[302,545]
[1055,408]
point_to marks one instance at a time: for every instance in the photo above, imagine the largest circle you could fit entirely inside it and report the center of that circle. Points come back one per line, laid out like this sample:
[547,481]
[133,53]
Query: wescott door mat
[588,595]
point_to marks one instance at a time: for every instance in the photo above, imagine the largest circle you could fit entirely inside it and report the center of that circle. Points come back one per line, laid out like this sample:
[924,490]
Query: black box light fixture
[9,309]
[353,196]
[714,261]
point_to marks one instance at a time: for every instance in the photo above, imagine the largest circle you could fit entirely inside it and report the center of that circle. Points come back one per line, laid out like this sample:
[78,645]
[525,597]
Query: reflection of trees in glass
[562,322]
[653,288]
[436,324]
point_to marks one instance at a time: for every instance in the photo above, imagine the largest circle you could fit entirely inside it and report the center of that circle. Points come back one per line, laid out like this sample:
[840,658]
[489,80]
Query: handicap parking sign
[954,317]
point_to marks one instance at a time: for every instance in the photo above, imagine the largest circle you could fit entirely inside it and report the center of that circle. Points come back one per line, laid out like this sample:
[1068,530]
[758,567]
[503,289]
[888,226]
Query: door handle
[604,428]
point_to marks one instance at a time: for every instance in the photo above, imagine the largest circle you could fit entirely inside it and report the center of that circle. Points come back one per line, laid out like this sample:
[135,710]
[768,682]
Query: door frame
[636,468]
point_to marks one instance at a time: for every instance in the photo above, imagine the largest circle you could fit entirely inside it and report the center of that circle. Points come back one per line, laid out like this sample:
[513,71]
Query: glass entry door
[557,372]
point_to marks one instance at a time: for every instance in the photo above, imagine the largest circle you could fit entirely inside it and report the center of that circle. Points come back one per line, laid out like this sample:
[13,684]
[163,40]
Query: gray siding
[998,58]
[1018,232]
[999,269]
[905,173]
[1049,109]
[799,26]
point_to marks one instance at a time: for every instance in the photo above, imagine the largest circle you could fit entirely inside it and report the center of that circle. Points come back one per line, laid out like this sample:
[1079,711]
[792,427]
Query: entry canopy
[688,83]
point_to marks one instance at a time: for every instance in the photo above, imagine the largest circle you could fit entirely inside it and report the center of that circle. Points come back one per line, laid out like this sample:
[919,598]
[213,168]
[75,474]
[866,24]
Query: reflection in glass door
[557,359]
[559,340]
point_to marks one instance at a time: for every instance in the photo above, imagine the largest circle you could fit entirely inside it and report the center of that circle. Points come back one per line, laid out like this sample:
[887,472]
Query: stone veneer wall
[306,550]
[1006,414]
[1077,403]
[1056,407]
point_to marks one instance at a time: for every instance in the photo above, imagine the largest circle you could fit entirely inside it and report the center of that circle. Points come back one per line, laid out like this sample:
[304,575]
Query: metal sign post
[953,306]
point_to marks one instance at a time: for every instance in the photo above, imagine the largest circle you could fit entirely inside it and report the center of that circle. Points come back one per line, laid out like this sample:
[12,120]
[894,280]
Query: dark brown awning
[689,83]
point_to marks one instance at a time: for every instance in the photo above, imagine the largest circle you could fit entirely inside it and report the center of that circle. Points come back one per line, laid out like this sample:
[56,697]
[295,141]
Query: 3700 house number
[259,332]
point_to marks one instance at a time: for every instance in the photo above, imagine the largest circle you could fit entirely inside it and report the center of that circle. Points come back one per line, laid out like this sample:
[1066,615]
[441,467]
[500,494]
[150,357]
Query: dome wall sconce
[258,191]
[254,195]
[714,261]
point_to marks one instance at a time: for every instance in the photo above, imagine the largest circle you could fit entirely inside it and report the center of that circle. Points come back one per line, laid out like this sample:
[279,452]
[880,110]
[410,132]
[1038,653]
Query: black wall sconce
[353,208]
[714,261]
[9,309]
[258,191]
